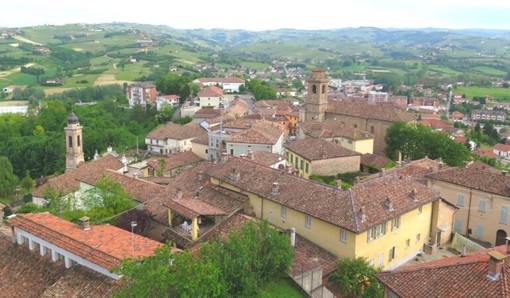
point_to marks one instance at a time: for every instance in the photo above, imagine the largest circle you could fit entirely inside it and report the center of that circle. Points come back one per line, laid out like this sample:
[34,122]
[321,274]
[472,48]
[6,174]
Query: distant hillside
[86,55]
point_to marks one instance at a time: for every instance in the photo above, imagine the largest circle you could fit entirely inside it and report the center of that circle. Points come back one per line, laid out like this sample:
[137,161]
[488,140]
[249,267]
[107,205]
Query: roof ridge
[351,199]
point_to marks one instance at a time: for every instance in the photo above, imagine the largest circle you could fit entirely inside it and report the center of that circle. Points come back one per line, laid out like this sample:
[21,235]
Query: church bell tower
[74,145]
[316,100]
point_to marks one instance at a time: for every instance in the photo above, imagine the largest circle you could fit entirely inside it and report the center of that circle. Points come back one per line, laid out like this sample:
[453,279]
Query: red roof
[221,80]
[104,245]
[502,147]
[211,91]
[450,277]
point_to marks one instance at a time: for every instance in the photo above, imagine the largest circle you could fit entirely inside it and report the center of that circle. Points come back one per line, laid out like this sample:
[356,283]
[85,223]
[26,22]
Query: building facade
[141,93]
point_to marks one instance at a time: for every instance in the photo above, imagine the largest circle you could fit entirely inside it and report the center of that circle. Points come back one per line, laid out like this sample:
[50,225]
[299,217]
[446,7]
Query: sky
[263,14]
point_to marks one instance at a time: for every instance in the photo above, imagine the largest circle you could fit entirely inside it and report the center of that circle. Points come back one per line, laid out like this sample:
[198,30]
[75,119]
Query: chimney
[414,192]
[234,175]
[362,214]
[178,194]
[496,263]
[339,183]
[275,188]
[504,173]
[388,204]
[135,175]
[463,250]
[84,223]
[383,172]
[224,157]
[293,237]
[250,155]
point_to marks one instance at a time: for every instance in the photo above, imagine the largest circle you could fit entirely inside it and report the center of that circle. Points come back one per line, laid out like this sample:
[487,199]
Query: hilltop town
[411,179]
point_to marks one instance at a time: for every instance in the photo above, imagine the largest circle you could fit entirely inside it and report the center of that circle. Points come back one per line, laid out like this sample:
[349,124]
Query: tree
[164,115]
[161,167]
[141,217]
[8,180]
[420,141]
[27,184]
[356,278]
[105,200]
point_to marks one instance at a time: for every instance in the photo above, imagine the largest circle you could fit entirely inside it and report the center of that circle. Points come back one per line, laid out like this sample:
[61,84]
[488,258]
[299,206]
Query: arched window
[78,141]
[323,89]
[70,138]
[314,89]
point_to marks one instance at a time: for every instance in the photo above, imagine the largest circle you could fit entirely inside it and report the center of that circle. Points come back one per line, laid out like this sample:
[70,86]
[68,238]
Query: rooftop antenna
[133,225]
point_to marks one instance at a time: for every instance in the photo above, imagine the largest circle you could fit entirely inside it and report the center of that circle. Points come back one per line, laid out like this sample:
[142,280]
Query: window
[458,225]
[323,89]
[283,211]
[395,223]
[481,206]
[381,229]
[206,151]
[355,125]
[78,141]
[70,138]
[232,152]
[393,253]
[314,89]
[308,221]
[372,129]
[371,234]
[460,200]
[371,262]
[380,260]
[408,242]
[302,163]
[503,215]
[306,167]
[418,236]
[420,209]
[478,231]
[343,235]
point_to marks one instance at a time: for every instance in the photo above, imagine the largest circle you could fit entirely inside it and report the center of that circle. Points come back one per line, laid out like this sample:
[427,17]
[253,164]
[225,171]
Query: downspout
[469,210]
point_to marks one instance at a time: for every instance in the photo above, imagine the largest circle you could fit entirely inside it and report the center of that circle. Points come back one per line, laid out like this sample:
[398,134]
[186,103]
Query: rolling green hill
[85,55]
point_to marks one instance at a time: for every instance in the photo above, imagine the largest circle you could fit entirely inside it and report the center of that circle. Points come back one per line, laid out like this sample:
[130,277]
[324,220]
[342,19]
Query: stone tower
[74,145]
[316,100]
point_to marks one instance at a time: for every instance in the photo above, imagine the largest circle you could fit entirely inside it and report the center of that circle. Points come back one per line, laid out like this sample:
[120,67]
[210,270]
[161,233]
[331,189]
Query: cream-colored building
[170,138]
[483,199]
[320,157]
[332,130]
[387,220]
[211,96]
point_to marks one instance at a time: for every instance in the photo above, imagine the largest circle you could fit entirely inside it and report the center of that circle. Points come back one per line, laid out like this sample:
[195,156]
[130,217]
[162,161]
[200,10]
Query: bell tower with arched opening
[316,100]
[74,144]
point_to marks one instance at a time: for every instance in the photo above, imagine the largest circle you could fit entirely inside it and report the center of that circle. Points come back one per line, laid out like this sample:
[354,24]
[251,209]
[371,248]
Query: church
[374,118]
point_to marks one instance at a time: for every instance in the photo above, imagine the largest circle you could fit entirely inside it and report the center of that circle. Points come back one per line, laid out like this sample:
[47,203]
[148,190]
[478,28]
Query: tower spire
[74,146]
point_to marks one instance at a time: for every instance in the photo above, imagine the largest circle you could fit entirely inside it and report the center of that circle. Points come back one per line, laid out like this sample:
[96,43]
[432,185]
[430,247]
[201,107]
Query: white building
[171,138]
[229,85]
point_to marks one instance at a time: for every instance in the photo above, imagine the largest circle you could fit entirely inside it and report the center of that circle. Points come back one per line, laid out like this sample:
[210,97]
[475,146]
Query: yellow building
[320,157]
[387,220]
[332,130]
[483,199]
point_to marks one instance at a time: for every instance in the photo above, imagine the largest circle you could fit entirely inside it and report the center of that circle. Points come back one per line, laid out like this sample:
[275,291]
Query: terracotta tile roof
[176,131]
[207,113]
[485,153]
[195,184]
[502,147]
[379,111]
[319,149]
[191,207]
[332,129]
[139,189]
[260,133]
[481,166]
[203,139]
[374,160]
[157,180]
[266,158]
[171,97]
[416,169]
[237,108]
[308,256]
[277,104]
[221,80]
[103,245]
[211,91]
[68,182]
[176,160]
[436,123]
[25,274]
[330,204]
[479,180]
[450,277]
